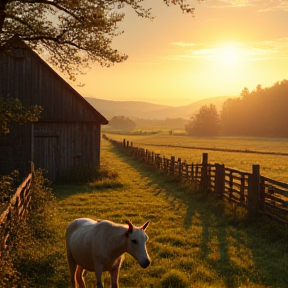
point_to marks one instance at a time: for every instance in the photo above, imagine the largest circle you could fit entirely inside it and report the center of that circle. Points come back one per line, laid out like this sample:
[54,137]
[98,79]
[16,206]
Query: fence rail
[16,210]
[256,193]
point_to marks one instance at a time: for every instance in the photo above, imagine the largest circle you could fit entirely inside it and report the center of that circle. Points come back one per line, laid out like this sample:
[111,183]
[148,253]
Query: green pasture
[195,240]
[271,166]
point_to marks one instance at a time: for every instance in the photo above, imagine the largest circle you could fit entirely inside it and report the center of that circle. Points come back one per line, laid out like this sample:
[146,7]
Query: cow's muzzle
[145,263]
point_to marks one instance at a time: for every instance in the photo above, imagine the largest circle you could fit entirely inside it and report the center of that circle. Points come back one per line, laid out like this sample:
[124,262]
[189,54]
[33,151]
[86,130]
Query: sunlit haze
[177,59]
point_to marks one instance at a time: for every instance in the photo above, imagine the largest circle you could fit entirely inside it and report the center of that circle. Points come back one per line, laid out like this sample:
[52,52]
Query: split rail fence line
[17,209]
[254,192]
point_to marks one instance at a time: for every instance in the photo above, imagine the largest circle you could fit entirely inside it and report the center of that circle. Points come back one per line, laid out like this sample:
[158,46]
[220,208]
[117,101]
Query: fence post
[124,143]
[172,165]
[204,172]
[262,195]
[186,170]
[179,168]
[164,164]
[32,171]
[253,191]
[157,161]
[32,167]
[192,172]
[242,189]
[136,151]
[219,178]
[231,184]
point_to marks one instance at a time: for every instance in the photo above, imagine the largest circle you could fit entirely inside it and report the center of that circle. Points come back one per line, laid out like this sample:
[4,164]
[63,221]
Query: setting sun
[177,59]
[228,55]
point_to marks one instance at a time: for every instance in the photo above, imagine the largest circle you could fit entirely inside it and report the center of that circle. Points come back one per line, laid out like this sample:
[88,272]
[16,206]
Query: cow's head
[136,243]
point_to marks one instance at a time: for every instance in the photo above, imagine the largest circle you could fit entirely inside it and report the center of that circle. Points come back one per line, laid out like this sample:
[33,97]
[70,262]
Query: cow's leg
[114,273]
[98,273]
[114,276]
[72,267]
[79,276]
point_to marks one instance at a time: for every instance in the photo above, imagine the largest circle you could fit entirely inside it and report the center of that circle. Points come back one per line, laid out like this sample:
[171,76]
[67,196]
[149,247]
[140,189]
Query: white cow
[99,245]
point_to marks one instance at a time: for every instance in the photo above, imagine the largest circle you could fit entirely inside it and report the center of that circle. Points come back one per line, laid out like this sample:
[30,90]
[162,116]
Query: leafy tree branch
[13,111]
[72,33]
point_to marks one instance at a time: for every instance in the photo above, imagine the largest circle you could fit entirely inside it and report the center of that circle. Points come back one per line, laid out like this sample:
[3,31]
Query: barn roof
[15,42]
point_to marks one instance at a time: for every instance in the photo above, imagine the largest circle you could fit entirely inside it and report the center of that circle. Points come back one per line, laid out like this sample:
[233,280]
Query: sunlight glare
[228,55]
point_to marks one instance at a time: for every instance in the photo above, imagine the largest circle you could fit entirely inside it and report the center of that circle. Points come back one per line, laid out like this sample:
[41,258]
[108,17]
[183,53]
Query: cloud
[272,49]
[277,49]
[183,44]
[262,6]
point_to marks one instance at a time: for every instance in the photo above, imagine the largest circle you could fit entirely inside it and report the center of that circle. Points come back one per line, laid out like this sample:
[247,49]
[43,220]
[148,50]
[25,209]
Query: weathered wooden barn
[67,135]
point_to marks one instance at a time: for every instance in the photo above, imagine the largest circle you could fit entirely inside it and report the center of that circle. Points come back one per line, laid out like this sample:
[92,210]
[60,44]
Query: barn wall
[30,79]
[15,150]
[68,132]
[60,147]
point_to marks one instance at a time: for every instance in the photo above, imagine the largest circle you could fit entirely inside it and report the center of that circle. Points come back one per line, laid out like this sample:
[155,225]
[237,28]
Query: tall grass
[196,240]
[28,260]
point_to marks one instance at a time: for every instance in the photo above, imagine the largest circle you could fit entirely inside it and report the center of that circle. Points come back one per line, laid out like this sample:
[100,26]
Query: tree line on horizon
[123,123]
[260,113]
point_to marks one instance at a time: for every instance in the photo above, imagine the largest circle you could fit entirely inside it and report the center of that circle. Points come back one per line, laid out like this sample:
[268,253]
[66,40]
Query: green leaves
[205,123]
[72,33]
[13,111]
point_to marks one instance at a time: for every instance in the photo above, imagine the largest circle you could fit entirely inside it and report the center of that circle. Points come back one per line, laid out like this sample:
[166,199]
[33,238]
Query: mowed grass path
[208,243]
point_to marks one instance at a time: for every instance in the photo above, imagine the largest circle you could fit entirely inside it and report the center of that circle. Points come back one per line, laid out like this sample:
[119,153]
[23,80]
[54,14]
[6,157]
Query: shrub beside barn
[68,133]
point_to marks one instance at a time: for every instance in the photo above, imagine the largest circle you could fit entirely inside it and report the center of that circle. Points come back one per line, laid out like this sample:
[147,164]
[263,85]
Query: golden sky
[177,59]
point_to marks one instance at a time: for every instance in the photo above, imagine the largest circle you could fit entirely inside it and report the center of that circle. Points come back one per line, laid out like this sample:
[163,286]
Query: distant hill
[145,110]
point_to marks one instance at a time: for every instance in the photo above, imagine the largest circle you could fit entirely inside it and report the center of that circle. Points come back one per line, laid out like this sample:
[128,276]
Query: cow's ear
[130,227]
[145,226]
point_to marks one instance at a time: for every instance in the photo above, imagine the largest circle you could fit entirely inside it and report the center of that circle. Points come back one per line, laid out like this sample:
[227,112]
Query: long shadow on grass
[207,207]
[233,235]
[62,191]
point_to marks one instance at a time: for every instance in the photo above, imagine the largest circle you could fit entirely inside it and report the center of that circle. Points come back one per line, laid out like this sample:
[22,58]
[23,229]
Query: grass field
[195,240]
[271,166]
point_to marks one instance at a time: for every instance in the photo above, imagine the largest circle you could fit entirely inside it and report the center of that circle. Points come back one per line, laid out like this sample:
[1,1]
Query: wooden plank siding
[67,134]
[15,150]
[65,145]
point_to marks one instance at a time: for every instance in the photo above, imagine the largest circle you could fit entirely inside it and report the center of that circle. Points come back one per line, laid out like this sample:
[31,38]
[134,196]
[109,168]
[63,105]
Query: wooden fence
[256,193]
[16,210]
